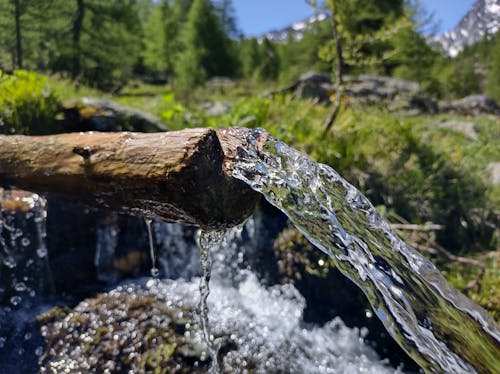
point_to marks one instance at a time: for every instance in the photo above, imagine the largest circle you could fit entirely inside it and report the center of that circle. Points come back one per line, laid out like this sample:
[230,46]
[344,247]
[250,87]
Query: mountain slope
[297,29]
[482,19]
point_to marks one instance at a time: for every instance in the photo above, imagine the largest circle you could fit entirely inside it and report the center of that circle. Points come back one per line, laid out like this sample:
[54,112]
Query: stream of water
[436,325]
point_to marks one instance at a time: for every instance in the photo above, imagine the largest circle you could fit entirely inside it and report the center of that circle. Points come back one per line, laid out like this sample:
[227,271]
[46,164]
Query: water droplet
[39,351]
[9,262]
[25,242]
[155,272]
[41,252]
[27,336]
[20,286]
[15,300]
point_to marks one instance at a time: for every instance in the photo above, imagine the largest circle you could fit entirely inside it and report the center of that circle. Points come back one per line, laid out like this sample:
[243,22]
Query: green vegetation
[28,104]
[106,44]
[413,169]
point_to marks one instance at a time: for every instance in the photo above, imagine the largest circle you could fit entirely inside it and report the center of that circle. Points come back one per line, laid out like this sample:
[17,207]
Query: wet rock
[121,331]
[468,129]
[215,108]
[471,106]
[90,114]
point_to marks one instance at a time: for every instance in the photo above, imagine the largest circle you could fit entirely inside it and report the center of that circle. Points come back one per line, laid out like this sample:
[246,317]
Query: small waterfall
[209,240]
[439,327]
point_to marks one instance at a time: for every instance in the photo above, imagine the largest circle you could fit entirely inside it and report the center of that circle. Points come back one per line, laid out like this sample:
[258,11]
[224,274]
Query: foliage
[206,49]
[492,80]
[28,105]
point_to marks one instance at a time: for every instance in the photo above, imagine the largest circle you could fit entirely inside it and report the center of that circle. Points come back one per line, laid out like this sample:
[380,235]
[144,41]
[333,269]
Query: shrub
[27,104]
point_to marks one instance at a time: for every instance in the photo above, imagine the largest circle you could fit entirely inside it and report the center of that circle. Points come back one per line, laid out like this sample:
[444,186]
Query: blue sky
[258,16]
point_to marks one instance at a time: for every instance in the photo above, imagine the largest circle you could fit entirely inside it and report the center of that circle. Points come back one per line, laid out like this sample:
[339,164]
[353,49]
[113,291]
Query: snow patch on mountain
[483,19]
[296,30]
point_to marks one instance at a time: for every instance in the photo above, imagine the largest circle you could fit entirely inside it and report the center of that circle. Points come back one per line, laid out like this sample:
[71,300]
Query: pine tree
[270,62]
[250,57]
[154,54]
[206,48]
[361,30]
[105,42]
[26,29]
[493,74]
[227,17]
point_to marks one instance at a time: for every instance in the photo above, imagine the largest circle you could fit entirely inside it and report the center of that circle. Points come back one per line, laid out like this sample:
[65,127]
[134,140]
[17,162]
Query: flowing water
[209,240]
[439,327]
[152,252]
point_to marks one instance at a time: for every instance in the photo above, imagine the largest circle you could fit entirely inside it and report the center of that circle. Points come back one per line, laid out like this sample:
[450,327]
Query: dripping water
[441,329]
[209,241]
[152,253]
[41,229]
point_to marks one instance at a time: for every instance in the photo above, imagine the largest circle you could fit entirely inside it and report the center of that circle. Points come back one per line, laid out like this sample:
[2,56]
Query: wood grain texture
[174,176]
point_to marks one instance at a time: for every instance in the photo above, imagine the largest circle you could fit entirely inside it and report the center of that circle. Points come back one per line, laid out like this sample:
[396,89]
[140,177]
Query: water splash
[152,253]
[439,327]
[260,329]
[209,240]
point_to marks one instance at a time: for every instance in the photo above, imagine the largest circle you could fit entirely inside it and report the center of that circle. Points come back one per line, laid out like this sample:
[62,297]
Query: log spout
[177,176]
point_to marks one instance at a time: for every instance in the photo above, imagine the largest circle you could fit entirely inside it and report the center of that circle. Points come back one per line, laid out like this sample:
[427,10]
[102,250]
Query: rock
[494,171]
[90,114]
[397,94]
[216,108]
[466,128]
[471,106]
[122,331]
[220,84]
[313,85]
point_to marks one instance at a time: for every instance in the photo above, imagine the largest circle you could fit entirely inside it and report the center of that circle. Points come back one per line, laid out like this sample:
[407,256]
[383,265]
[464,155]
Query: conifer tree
[205,47]
[270,62]
[250,57]
[361,30]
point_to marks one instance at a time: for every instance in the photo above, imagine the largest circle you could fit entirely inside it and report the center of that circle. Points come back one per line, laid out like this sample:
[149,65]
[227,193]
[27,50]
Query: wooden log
[175,176]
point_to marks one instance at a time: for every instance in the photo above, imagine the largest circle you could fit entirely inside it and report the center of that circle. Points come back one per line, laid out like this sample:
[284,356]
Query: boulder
[471,106]
[494,171]
[215,108]
[466,128]
[90,114]
[396,94]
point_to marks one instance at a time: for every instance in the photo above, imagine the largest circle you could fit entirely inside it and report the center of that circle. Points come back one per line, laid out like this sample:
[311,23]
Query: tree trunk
[77,32]
[339,72]
[17,20]
[175,176]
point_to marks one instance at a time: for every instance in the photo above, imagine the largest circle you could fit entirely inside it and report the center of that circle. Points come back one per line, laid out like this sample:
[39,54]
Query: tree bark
[339,71]
[77,32]
[174,176]
[17,20]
